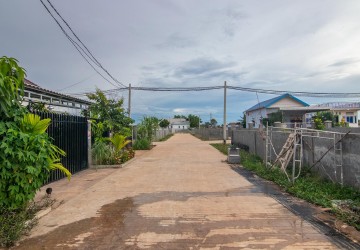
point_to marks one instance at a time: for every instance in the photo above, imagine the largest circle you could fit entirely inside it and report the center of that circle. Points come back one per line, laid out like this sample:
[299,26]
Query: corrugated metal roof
[268,103]
[29,85]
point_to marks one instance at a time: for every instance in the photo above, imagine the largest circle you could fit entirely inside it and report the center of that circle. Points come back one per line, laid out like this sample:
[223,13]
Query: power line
[92,56]
[78,47]
[264,91]
[72,85]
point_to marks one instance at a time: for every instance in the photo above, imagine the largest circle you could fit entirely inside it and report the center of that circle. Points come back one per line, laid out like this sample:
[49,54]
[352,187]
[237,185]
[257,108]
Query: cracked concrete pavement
[180,195]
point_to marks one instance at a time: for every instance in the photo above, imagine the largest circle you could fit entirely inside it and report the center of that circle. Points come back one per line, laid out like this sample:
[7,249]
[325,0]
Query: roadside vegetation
[27,155]
[344,201]
[166,137]
[110,129]
[146,130]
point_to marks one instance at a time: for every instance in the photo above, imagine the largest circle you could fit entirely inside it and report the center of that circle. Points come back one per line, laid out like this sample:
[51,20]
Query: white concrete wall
[60,109]
[177,127]
[255,115]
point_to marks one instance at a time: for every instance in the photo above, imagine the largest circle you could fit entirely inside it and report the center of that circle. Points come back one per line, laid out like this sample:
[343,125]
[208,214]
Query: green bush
[101,153]
[142,144]
[27,154]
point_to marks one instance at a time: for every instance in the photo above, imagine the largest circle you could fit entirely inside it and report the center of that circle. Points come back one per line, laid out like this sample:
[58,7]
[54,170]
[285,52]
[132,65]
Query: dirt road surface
[180,195]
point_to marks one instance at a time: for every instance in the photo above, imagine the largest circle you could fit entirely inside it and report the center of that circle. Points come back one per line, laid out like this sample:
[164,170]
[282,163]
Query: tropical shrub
[142,144]
[27,154]
[109,151]
[101,152]
[146,129]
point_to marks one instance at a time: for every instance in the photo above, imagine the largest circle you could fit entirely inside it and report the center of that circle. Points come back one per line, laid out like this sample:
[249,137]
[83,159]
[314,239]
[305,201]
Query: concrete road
[180,195]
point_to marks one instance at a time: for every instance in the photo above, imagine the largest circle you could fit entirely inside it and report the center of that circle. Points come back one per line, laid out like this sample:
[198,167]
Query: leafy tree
[11,86]
[27,154]
[272,118]
[164,123]
[180,117]
[243,120]
[207,125]
[146,129]
[213,122]
[109,114]
[194,121]
[321,117]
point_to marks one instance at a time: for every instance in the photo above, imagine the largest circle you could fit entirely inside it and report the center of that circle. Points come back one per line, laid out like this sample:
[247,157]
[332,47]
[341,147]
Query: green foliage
[15,223]
[27,156]
[243,121]
[319,124]
[11,86]
[118,142]
[194,121]
[12,225]
[101,152]
[142,144]
[108,114]
[213,122]
[321,117]
[180,117]
[309,186]
[272,118]
[26,152]
[147,128]
[109,151]
[164,123]
[37,107]
[127,155]
[166,137]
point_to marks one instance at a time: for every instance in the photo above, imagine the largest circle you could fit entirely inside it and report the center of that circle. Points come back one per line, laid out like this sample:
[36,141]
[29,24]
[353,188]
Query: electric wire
[264,91]
[79,48]
[91,55]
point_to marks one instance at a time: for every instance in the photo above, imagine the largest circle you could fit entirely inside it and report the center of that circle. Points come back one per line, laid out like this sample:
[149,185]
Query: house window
[351,119]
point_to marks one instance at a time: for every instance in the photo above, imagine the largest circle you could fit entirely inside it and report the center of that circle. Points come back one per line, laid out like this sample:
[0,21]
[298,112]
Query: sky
[299,45]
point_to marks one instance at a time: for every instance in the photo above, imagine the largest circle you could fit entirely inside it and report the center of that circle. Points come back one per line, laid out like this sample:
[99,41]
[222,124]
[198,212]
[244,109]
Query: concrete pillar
[328,124]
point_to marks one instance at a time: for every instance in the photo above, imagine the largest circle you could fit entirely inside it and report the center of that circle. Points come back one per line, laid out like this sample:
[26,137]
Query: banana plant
[119,142]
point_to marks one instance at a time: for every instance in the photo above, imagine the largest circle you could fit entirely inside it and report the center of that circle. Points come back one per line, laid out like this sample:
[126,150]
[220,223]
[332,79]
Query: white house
[179,124]
[54,101]
[286,103]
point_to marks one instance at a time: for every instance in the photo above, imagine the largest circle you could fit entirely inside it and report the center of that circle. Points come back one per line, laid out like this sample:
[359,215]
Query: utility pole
[129,104]
[224,123]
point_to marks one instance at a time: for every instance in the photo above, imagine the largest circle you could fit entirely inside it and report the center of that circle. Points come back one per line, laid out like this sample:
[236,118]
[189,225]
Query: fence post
[89,143]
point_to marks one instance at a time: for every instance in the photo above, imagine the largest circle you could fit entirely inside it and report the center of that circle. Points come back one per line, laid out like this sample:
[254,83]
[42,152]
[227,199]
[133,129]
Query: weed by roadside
[309,187]
[142,144]
[166,137]
[16,223]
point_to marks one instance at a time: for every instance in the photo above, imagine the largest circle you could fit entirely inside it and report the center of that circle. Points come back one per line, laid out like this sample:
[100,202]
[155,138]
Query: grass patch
[308,186]
[166,137]
[142,144]
[16,223]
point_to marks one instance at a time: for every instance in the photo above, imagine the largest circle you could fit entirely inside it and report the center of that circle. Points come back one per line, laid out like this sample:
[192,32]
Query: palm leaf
[57,165]
[32,123]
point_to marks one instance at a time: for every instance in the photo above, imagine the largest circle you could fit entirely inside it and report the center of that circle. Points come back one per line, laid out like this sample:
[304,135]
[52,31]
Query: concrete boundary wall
[209,133]
[161,133]
[313,149]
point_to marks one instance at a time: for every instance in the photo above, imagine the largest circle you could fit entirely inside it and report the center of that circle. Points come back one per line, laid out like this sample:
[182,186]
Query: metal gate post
[89,143]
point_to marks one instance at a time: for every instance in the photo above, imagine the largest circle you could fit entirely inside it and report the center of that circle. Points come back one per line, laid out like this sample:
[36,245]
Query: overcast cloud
[304,45]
